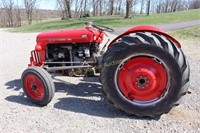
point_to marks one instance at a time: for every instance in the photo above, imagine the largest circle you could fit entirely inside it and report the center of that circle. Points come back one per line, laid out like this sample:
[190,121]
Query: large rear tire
[38,85]
[145,74]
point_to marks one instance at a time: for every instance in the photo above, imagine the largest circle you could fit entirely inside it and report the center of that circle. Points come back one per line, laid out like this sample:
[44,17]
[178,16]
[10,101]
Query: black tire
[146,44]
[34,77]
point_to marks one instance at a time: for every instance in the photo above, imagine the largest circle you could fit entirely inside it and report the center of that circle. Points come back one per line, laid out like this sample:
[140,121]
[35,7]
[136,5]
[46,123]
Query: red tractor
[143,71]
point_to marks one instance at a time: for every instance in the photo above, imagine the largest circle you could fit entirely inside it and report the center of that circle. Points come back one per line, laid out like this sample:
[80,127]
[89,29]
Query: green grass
[112,21]
[188,33]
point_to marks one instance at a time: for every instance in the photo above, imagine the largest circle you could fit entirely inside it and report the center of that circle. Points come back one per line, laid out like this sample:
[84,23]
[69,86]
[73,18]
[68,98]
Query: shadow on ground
[16,86]
[85,97]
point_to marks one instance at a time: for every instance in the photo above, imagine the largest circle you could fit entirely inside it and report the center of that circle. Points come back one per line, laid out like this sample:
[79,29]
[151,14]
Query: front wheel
[38,85]
[144,79]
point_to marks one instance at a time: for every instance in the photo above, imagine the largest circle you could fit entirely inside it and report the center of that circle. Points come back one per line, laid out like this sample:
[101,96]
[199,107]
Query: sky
[42,4]
[47,4]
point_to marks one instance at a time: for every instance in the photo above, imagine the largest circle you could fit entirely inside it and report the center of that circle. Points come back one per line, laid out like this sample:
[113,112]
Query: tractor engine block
[71,54]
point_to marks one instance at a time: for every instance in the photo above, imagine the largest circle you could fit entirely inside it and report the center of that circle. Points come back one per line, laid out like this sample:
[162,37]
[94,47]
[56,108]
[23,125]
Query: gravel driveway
[78,105]
[165,27]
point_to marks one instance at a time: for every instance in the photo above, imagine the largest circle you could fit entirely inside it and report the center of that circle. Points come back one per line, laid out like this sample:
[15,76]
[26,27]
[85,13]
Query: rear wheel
[144,74]
[38,85]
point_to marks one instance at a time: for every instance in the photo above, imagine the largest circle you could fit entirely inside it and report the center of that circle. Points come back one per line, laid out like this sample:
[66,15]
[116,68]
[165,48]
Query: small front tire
[38,85]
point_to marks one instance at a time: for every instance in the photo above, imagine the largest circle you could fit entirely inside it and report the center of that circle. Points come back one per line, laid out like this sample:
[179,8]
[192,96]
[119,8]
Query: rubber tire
[44,76]
[147,43]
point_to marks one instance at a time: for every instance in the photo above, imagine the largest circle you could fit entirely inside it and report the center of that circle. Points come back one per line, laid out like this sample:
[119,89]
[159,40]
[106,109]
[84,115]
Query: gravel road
[78,105]
[165,27]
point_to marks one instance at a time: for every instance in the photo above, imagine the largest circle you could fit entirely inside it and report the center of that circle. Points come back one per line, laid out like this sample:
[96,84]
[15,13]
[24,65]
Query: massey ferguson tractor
[143,71]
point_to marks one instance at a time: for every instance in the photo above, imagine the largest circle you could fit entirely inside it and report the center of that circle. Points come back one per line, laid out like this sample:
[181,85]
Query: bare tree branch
[29,6]
[8,6]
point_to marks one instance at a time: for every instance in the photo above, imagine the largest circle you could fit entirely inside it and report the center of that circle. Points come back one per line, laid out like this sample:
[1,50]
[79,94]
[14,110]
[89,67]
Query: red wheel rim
[34,87]
[142,79]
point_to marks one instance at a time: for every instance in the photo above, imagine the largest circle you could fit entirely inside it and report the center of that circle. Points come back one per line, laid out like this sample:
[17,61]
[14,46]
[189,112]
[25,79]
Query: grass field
[192,33]
[112,21]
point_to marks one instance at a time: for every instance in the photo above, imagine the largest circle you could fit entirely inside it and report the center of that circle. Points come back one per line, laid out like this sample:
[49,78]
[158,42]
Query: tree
[133,3]
[174,5]
[61,7]
[18,15]
[194,4]
[94,7]
[142,6]
[65,7]
[165,6]
[111,7]
[29,6]
[78,8]
[85,7]
[128,8]
[100,7]
[8,6]
[68,7]
[118,7]
[158,6]
[148,6]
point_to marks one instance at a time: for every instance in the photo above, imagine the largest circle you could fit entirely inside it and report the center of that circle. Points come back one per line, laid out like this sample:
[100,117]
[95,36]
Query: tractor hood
[68,36]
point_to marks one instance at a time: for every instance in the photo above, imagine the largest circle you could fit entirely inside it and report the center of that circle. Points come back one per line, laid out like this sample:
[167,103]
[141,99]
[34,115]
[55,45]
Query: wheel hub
[142,79]
[142,82]
[34,87]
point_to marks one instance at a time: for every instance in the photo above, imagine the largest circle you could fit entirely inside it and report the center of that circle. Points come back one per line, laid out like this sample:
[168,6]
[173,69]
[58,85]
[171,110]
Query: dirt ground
[78,105]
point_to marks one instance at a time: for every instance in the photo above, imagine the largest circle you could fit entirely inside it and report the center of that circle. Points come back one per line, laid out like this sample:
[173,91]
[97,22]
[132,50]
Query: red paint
[38,48]
[37,58]
[42,56]
[144,70]
[34,87]
[84,35]
[146,29]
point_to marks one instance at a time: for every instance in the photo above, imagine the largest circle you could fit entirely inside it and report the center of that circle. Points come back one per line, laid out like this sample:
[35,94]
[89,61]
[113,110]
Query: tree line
[120,7]
[13,11]
[85,8]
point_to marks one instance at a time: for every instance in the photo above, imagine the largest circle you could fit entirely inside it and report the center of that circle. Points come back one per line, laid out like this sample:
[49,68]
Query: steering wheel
[103,28]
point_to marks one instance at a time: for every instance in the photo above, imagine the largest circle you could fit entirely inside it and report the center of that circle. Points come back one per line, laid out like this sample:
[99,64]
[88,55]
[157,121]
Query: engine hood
[68,36]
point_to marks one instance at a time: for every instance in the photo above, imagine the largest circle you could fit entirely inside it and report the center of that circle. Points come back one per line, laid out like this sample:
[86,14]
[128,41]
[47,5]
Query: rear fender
[146,29]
